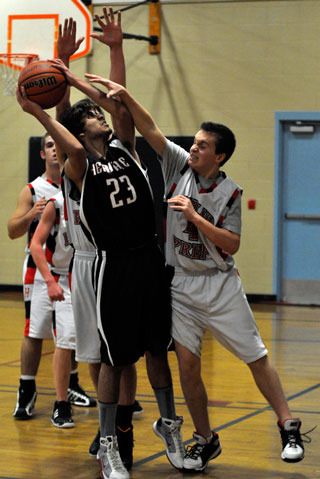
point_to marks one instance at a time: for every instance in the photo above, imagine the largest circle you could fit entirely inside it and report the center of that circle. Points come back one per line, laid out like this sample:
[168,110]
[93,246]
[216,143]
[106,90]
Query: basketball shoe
[26,399]
[95,445]
[109,458]
[78,397]
[199,454]
[292,444]
[125,445]
[62,415]
[169,431]
[137,408]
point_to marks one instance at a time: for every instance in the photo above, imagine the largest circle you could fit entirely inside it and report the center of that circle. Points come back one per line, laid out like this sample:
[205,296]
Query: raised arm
[55,292]
[67,45]
[111,35]
[76,163]
[143,121]
[24,214]
[115,108]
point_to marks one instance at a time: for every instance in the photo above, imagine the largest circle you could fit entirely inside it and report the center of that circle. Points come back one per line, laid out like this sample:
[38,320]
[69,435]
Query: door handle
[292,216]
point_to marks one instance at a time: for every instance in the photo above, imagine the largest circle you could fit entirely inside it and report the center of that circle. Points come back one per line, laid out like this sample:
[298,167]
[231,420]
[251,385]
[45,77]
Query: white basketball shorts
[65,335]
[84,308]
[214,301]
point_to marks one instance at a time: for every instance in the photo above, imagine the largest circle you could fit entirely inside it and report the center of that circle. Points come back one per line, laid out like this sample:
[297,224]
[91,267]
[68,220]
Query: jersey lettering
[115,184]
[110,167]
[191,250]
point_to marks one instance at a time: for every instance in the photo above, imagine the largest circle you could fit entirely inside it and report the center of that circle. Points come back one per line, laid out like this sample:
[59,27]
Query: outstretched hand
[71,78]
[111,28]
[67,44]
[115,90]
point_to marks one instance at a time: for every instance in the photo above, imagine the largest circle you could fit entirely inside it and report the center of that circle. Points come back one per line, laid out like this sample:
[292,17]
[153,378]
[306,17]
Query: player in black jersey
[83,296]
[133,299]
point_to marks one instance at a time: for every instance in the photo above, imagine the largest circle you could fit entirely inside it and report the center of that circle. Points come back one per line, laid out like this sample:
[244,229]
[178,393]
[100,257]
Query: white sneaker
[292,444]
[199,454]
[169,431]
[110,460]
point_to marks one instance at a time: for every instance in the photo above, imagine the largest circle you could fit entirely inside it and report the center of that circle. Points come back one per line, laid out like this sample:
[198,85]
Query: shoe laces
[194,451]
[305,438]
[295,437]
[173,435]
[114,456]
[78,389]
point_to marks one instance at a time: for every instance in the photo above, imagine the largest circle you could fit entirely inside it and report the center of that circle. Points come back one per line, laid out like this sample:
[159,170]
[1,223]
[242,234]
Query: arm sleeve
[173,160]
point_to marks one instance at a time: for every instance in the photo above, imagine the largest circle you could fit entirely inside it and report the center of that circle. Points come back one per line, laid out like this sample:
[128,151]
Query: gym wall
[232,62]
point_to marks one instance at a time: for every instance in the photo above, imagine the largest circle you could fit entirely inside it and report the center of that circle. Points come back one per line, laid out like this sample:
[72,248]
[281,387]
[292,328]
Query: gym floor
[246,425]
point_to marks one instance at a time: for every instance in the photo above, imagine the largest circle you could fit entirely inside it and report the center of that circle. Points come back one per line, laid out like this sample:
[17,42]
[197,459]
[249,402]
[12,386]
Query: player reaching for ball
[203,233]
[83,296]
[117,188]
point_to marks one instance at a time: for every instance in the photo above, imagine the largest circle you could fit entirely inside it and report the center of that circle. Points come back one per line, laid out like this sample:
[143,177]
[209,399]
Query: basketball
[44,83]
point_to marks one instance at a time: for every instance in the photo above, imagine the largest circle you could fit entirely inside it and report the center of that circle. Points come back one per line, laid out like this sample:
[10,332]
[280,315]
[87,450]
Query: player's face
[203,157]
[49,151]
[95,124]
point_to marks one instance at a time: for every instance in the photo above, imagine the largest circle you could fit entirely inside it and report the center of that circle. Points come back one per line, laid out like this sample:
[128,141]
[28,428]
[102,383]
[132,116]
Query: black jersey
[117,203]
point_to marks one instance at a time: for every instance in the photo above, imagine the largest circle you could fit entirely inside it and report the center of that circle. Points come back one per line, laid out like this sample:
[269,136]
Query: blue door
[298,212]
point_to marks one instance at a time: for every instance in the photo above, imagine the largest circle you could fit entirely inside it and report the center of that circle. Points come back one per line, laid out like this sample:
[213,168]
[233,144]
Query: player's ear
[221,157]
[42,155]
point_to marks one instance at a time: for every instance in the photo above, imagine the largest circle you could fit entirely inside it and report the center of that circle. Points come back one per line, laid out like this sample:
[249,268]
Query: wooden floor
[247,427]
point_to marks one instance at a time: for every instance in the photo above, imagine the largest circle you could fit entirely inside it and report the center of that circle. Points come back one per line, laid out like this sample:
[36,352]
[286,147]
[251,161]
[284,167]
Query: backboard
[31,26]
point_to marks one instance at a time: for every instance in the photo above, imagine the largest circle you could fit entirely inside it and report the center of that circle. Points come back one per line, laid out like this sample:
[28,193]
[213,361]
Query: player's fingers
[111,15]
[78,42]
[73,28]
[106,15]
[65,26]
[98,19]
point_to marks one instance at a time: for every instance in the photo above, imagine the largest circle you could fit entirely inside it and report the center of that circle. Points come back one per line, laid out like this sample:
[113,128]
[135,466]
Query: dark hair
[225,140]
[43,140]
[73,118]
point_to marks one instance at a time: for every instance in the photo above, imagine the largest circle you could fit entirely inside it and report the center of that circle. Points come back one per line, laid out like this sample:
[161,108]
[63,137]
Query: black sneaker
[198,455]
[95,445]
[62,415]
[26,399]
[292,444]
[125,443]
[78,397]
[137,408]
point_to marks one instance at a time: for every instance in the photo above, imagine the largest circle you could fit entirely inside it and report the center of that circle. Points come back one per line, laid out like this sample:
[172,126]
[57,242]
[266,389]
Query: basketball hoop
[10,66]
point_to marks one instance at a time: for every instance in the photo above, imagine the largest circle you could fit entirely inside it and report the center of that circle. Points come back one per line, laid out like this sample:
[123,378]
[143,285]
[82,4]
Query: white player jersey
[41,187]
[219,202]
[78,238]
[58,247]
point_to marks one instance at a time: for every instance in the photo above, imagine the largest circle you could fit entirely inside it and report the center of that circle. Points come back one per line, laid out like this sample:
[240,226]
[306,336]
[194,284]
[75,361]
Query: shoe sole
[157,433]
[285,459]
[82,405]
[201,469]
[23,418]
[63,426]
[92,455]
[137,413]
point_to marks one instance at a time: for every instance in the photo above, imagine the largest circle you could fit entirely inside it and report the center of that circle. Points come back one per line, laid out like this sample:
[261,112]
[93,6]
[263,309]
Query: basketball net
[11,65]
